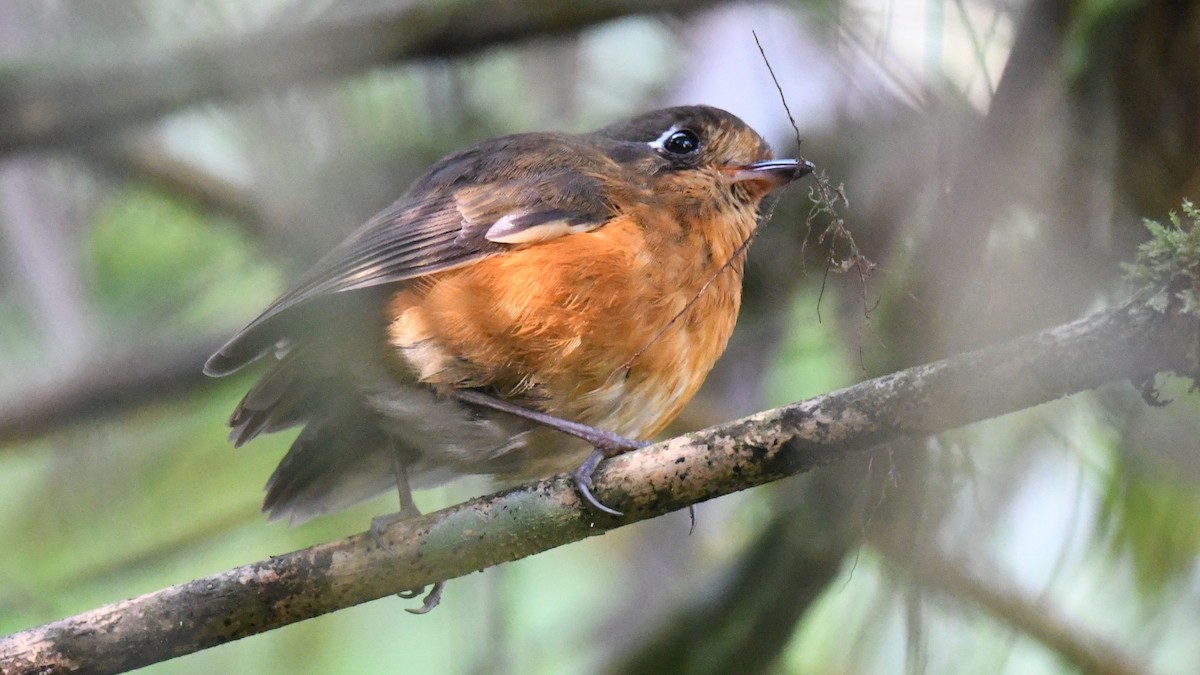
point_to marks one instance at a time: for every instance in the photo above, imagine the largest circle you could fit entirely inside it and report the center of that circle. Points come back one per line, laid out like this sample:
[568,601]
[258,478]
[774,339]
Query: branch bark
[1131,342]
[41,104]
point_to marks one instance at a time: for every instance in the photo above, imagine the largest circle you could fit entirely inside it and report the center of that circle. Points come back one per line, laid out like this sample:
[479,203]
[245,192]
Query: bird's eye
[682,142]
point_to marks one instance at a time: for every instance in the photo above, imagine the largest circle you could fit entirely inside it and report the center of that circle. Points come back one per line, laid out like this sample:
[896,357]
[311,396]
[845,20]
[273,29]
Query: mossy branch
[1168,263]
[1132,342]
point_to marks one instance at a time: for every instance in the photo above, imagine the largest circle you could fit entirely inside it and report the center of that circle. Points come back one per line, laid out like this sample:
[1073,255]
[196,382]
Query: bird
[531,305]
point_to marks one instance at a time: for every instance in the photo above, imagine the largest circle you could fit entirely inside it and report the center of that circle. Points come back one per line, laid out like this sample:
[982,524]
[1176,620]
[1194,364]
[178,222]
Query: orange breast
[595,327]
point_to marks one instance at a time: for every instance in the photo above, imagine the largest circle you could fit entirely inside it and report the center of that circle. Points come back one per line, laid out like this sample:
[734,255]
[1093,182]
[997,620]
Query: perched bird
[530,305]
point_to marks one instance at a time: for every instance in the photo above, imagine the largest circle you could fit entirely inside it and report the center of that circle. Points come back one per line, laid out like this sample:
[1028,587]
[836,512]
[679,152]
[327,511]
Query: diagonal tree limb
[1131,342]
[144,161]
[1000,598]
[42,104]
[112,386]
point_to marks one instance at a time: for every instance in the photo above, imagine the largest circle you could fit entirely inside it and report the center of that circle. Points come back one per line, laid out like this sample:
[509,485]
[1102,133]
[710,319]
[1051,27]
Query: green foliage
[810,360]
[1169,257]
[1089,20]
[1155,521]
[154,258]
[1148,515]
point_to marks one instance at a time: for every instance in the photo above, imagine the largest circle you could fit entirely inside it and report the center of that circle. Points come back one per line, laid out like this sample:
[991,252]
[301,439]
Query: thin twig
[783,99]
[825,198]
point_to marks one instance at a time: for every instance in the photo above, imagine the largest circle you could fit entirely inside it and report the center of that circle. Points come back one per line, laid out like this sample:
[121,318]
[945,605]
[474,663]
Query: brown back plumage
[593,277]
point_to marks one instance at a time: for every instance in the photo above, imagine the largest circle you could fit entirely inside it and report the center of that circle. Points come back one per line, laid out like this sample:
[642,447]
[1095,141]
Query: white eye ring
[657,144]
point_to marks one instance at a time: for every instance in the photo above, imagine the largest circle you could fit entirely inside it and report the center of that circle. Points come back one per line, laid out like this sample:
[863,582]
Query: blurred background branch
[208,191]
[145,378]
[955,580]
[41,107]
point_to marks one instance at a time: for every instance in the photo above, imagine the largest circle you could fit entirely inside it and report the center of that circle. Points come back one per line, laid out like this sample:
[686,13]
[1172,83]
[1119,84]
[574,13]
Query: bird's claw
[607,446]
[381,523]
[433,599]
[583,482]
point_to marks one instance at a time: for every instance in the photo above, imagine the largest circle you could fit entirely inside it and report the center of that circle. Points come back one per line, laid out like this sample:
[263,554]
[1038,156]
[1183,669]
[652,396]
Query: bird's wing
[467,212]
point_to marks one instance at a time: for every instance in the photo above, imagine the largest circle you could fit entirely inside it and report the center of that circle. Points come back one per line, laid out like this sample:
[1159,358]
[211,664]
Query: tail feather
[283,398]
[337,461]
[340,458]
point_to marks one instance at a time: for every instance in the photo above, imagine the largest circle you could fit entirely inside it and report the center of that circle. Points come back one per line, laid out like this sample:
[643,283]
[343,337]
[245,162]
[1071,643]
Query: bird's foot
[604,445]
[408,510]
[381,523]
[432,599]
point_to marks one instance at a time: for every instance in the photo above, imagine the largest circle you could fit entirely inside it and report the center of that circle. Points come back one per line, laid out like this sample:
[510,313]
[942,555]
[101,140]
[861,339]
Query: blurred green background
[998,158]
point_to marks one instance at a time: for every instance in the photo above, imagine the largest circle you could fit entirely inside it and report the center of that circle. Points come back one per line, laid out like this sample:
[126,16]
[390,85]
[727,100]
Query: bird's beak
[773,172]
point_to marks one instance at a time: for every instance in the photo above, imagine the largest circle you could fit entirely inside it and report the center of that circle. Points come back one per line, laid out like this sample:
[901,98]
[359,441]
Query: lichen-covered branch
[1132,342]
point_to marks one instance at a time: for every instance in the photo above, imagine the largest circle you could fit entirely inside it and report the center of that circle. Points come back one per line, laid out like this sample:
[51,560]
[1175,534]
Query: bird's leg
[604,443]
[408,509]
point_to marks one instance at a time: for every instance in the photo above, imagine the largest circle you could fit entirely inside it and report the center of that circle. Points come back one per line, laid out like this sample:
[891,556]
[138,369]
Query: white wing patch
[511,230]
